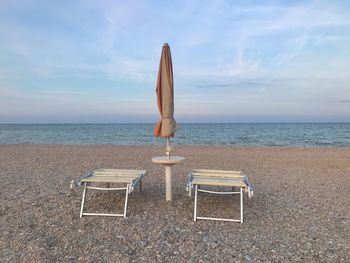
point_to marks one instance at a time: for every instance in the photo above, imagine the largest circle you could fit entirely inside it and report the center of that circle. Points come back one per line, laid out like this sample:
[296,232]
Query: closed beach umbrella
[166,126]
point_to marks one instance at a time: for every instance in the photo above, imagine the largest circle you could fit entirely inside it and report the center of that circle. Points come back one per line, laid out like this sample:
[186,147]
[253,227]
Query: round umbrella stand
[168,164]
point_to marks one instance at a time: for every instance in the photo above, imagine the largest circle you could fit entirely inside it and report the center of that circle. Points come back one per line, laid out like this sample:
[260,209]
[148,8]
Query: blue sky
[234,61]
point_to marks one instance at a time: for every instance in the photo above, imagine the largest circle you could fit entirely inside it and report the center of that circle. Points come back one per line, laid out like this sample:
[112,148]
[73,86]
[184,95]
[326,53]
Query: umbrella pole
[167,149]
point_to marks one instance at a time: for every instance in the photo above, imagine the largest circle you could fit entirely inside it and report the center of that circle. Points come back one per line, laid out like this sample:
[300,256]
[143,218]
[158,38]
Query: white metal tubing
[106,189]
[83,200]
[241,205]
[98,188]
[218,219]
[195,203]
[219,193]
[126,200]
[100,214]
[168,181]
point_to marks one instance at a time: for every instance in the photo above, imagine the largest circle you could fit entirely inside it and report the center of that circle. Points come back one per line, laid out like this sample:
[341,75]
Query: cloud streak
[230,85]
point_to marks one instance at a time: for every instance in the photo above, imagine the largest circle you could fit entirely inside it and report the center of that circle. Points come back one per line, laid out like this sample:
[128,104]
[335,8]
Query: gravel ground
[300,211]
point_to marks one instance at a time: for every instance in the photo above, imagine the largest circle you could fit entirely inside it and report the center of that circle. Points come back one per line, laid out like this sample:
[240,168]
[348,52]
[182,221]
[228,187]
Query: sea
[236,134]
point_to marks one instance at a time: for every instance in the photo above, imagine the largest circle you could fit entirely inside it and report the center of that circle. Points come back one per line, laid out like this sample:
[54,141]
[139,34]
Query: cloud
[6,92]
[39,95]
[343,101]
[139,70]
[229,85]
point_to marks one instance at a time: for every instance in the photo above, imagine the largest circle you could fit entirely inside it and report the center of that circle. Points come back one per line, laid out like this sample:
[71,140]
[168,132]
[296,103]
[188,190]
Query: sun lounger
[128,178]
[233,179]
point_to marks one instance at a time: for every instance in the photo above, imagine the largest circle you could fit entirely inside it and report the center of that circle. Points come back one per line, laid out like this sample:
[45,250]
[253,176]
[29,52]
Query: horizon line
[137,123]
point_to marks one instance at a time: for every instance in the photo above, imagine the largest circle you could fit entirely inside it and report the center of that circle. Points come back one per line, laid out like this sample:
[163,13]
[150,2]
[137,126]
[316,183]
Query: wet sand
[300,211]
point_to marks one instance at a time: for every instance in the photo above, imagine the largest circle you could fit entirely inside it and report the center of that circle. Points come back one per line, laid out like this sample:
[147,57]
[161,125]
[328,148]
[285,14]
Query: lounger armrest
[189,181]
[77,182]
[249,188]
[137,181]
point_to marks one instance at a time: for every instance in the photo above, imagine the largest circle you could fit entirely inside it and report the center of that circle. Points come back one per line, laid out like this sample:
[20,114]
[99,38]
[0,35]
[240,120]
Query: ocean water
[257,134]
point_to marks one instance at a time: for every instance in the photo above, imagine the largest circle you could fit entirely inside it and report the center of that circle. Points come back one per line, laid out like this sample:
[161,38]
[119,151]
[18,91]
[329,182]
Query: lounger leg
[83,200]
[195,202]
[241,195]
[126,200]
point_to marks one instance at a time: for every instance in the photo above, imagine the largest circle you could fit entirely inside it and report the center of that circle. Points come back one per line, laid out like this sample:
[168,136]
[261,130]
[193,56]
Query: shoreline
[177,145]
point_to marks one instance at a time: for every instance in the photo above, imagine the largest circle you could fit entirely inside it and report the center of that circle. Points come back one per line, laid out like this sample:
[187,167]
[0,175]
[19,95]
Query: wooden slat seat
[110,179]
[219,181]
[115,176]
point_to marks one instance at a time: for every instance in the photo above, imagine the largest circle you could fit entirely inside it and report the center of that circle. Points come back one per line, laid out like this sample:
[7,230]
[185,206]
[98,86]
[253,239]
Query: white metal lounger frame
[128,189]
[195,217]
[197,189]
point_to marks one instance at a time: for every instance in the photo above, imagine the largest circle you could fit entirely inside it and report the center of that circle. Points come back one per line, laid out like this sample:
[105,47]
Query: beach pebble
[299,212]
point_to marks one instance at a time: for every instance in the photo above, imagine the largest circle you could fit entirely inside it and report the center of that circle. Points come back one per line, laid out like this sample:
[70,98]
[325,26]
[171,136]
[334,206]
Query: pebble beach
[300,211]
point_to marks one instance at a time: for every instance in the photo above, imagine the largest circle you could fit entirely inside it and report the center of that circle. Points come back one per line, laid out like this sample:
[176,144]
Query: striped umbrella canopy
[166,126]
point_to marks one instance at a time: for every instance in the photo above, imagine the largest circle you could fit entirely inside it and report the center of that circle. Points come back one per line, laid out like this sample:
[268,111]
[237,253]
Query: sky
[96,61]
